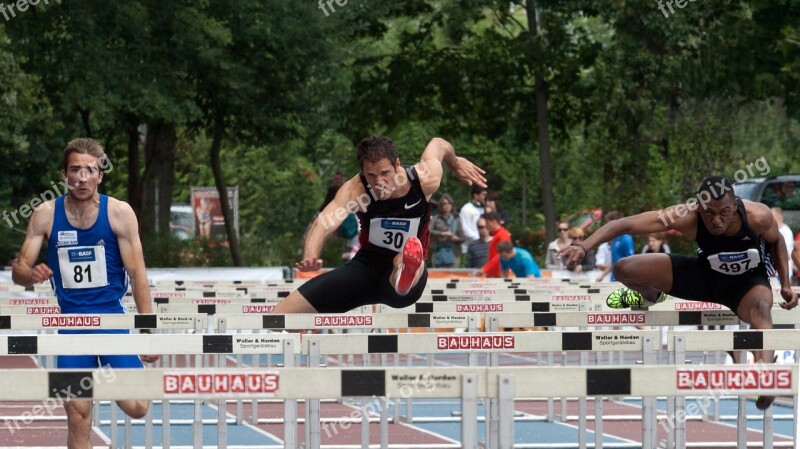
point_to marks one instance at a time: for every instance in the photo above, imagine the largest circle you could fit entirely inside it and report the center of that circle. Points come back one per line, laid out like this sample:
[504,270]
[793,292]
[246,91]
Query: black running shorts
[692,279]
[361,281]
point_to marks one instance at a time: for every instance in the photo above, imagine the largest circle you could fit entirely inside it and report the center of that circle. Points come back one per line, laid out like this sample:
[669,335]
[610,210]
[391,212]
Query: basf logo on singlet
[81,255]
[397,225]
[66,238]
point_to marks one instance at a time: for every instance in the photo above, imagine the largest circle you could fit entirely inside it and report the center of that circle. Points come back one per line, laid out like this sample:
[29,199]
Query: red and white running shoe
[407,271]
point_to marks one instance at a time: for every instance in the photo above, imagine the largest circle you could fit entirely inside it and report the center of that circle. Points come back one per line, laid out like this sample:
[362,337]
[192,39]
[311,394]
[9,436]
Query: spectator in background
[621,246]
[587,264]
[446,235]
[516,260]
[602,262]
[12,259]
[656,243]
[552,262]
[492,205]
[786,232]
[478,251]
[348,230]
[499,234]
[795,256]
[470,213]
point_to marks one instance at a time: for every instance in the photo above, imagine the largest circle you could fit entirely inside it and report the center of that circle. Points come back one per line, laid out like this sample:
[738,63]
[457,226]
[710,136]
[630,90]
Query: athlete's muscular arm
[678,217]
[762,222]
[25,271]
[126,228]
[796,255]
[350,197]
[429,167]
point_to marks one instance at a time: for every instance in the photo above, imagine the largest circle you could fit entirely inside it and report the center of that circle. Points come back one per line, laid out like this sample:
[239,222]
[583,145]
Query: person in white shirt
[786,232]
[470,214]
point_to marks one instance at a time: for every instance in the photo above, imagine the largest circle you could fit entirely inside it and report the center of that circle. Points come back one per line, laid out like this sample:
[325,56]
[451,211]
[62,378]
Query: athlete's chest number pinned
[735,262]
[80,271]
[394,239]
[392,233]
[83,266]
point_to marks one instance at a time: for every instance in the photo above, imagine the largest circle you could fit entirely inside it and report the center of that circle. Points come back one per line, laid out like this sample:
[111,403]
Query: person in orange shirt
[499,234]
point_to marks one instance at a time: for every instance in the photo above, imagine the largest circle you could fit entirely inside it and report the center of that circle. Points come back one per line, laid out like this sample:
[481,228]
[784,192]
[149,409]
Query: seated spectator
[493,205]
[516,260]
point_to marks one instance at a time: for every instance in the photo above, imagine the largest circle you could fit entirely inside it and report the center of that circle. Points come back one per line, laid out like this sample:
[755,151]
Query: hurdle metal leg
[114,429]
[312,405]
[598,422]
[505,411]
[551,412]
[148,427]
[128,443]
[365,423]
[680,401]
[384,404]
[165,430]
[796,413]
[768,429]
[649,403]
[289,405]
[582,409]
[469,411]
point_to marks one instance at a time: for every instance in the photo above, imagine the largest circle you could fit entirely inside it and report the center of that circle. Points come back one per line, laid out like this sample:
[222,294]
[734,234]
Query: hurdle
[681,342]
[469,384]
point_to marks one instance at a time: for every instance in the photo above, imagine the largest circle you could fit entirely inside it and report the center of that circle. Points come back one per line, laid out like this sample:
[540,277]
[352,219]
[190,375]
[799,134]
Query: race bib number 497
[735,262]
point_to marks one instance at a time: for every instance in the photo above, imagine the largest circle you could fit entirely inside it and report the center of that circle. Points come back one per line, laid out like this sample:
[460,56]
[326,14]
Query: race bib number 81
[734,263]
[392,233]
[83,266]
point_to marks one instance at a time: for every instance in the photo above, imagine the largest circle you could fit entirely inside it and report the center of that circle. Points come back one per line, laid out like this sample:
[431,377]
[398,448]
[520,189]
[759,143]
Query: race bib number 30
[734,263]
[83,266]
[392,233]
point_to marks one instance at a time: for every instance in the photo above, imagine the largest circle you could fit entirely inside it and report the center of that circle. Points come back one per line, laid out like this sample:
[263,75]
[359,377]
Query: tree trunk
[158,177]
[543,121]
[134,192]
[222,189]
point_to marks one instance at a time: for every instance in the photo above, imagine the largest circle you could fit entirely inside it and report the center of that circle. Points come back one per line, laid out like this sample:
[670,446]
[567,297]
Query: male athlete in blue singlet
[93,247]
[739,247]
[391,203]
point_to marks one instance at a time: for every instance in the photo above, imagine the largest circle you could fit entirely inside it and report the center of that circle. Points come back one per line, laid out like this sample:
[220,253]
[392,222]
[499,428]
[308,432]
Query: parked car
[776,191]
[181,223]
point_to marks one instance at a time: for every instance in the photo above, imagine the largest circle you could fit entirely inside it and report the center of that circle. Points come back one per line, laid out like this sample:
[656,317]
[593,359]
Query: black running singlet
[387,224]
[733,255]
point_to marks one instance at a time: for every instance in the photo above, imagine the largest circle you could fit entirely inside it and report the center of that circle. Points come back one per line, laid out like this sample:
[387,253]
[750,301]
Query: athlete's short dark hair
[716,187]
[375,148]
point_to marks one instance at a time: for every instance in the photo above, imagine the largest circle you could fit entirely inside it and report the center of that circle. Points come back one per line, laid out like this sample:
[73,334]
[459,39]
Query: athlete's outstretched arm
[25,272]
[766,226]
[677,217]
[348,199]
[429,167]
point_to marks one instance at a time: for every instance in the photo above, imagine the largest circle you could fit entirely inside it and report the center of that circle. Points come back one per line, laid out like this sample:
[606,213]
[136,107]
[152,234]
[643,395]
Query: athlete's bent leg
[135,408]
[294,303]
[79,423]
[648,274]
[756,310]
